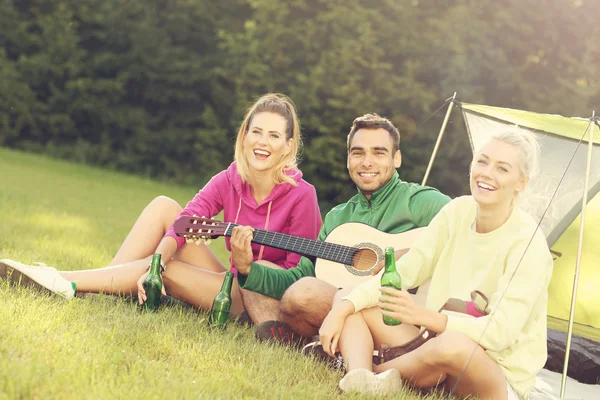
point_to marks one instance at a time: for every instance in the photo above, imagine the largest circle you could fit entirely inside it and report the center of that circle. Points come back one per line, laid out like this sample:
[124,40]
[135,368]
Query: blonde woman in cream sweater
[480,242]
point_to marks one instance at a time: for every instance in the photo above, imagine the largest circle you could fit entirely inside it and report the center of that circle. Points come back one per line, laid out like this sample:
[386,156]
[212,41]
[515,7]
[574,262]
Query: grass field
[101,347]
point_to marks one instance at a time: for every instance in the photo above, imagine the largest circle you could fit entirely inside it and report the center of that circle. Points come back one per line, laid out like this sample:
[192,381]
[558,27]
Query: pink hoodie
[288,209]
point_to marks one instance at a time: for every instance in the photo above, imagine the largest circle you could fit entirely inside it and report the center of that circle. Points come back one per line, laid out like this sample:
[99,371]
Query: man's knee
[306,296]
[297,298]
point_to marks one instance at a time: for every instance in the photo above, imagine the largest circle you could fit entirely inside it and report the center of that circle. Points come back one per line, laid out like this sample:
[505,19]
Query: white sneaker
[388,381]
[360,380]
[364,381]
[47,278]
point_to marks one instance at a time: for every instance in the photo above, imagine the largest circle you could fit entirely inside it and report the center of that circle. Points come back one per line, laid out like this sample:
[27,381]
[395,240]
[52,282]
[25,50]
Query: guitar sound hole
[364,259]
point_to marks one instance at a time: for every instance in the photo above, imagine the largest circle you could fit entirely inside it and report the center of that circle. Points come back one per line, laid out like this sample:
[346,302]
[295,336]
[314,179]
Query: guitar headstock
[198,229]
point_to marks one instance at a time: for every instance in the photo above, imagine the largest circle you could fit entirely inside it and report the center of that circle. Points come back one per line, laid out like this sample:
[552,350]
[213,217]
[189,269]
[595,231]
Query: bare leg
[194,275]
[149,229]
[261,308]
[305,305]
[365,330]
[441,359]
[117,279]
[357,347]
[185,282]
[198,287]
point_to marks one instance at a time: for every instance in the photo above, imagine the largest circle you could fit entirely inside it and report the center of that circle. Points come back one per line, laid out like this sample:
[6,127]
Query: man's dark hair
[374,121]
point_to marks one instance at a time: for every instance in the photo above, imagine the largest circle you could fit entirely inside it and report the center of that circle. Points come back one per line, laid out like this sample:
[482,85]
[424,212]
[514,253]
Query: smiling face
[496,178]
[371,160]
[265,143]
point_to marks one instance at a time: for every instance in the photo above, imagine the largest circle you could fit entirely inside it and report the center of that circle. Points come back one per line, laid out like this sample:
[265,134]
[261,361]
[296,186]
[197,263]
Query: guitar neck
[307,247]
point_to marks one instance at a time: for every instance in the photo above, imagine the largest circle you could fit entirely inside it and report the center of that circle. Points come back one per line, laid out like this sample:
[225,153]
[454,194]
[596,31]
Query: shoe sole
[17,278]
[316,351]
[275,331]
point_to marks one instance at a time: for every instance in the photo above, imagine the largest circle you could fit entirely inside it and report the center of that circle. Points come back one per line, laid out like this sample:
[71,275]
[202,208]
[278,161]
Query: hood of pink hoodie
[243,189]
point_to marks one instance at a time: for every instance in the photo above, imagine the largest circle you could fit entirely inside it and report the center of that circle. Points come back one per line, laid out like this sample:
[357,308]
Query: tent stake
[578,260]
[439,139]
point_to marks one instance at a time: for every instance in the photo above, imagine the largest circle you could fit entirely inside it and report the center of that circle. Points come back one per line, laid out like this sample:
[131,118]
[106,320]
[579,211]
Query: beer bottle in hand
[153,285]
[219,312]
[390,278]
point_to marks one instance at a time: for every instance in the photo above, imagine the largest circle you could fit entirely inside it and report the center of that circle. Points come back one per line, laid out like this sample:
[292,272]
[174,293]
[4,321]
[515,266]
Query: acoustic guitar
[346,258]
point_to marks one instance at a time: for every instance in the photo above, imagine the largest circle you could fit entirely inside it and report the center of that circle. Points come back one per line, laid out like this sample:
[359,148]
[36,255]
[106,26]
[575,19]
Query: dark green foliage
[159,87]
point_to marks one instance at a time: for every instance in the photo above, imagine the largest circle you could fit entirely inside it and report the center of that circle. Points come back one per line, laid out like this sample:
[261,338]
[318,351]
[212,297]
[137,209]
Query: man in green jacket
[383,201]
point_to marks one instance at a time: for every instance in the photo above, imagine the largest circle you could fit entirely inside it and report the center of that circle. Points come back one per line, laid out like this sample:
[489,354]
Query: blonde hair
[281,105]
[529,154]
[527,144]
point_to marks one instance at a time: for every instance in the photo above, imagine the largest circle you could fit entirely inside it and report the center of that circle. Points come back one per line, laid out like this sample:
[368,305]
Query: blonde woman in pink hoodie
[262,188]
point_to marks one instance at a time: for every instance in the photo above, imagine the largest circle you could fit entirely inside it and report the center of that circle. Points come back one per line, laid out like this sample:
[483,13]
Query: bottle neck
[155,265]
[227,282]
[390,262]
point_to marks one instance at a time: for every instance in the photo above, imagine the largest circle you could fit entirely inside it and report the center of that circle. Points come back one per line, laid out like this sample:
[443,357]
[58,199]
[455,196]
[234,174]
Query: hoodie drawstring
[238,211]
[262,247]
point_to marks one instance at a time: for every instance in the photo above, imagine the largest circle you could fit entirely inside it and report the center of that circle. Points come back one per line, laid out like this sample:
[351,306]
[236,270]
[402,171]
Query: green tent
[587,308]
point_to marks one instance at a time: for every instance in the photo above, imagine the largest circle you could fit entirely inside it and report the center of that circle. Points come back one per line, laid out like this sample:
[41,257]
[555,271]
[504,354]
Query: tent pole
[439,139]
[578,260]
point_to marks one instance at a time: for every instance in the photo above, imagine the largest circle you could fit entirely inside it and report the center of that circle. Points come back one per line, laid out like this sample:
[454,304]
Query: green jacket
[397,207]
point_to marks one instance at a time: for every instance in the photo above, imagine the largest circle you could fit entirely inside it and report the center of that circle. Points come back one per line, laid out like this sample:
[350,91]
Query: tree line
[159,87]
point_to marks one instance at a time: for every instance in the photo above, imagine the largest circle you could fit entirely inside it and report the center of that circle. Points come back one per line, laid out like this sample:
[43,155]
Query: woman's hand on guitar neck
[398,253]
[241,250]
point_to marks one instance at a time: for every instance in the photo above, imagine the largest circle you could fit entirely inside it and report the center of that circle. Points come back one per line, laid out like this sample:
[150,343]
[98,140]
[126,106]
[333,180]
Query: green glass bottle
[390,278]
[219,312]
[153,285]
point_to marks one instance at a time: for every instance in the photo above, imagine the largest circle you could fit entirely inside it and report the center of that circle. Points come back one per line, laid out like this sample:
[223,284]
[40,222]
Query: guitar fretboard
[308,247]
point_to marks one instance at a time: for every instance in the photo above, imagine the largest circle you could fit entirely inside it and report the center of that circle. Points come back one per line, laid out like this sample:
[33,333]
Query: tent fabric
[547,387]
[587,306]
[584,356]
[551,123]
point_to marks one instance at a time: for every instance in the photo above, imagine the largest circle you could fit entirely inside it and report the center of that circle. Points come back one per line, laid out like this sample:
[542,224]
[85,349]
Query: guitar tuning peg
[197,242]
[188,239]
[207,242]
